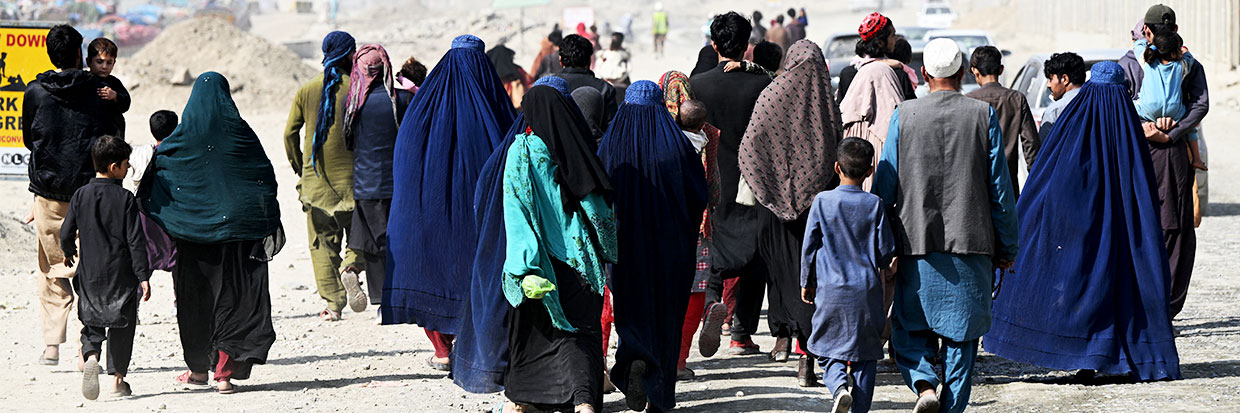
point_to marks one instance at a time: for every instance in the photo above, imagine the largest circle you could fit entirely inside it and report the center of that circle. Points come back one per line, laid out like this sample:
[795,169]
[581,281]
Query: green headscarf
[210,181]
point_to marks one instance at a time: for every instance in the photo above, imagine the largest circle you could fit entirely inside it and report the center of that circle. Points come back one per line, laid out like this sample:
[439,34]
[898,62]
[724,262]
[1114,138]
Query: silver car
[1032,83]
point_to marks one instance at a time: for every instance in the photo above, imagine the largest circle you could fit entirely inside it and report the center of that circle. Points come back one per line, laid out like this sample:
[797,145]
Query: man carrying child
[113,264]
[62,115]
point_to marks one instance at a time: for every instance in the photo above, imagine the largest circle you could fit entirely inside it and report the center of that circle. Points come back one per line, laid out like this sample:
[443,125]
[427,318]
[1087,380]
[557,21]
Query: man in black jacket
[575,53]
[729,98]
[62,115]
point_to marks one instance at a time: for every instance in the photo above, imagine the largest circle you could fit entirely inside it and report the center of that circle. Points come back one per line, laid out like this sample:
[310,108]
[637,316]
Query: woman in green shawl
[213,190]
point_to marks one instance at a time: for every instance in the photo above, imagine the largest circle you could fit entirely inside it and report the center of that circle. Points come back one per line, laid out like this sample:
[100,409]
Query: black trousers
[120,344]
[223,305]
[1181,252]
[750,291]
[369,235]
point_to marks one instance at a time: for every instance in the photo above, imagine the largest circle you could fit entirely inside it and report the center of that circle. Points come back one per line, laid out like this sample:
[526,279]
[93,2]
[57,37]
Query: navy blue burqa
[480,354]
[455,121]
[660,194]
[1091,284]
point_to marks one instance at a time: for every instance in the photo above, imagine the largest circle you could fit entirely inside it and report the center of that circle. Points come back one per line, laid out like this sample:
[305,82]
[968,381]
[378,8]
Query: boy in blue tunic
[847,241]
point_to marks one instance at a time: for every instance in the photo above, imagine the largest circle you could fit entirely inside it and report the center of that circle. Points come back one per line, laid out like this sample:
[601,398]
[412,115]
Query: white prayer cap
[941,57]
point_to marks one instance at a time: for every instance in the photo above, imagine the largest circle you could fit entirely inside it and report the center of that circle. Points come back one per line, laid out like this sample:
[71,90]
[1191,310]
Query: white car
[966,39]
[1031,81]
[934,14]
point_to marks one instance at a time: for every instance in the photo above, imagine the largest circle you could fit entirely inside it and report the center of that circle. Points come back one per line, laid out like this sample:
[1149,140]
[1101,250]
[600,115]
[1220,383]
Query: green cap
[1159,14]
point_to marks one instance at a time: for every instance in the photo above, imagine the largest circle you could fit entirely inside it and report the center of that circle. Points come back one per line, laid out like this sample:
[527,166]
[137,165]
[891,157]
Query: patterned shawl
[370,62]
[788,150]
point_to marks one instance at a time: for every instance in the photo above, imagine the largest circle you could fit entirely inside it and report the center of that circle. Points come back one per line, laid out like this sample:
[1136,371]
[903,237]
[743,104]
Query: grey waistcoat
[943,199]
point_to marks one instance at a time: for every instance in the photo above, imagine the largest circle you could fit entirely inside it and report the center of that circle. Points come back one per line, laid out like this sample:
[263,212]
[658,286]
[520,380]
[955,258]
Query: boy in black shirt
[113,267]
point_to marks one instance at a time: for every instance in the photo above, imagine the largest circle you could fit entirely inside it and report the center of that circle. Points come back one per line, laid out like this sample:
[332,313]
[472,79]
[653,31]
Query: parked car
[1032,83]
[841,48]
[967,39]
[936,14]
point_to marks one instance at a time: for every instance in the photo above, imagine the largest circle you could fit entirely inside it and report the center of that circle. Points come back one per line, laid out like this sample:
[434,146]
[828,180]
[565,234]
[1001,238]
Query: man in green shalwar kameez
[326,170]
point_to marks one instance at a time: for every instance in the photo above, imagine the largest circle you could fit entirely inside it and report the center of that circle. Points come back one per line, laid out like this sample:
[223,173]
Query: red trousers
[693,319]
[607,320]
[729,297]
[442,343]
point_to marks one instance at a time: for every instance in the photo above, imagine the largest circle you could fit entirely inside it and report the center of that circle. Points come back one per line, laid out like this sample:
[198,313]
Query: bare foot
[441,360]
[51,352]
[225,387]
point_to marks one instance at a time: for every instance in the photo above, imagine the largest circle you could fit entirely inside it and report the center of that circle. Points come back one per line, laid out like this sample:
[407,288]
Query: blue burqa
[1091,284]
[480,354]
[455,121]
[660,194]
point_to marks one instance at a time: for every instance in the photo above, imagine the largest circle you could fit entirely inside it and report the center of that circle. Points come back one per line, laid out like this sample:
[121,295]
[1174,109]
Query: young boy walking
[113,265]
[841,277]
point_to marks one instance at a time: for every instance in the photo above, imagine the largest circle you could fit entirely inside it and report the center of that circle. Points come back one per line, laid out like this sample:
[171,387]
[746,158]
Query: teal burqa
[210,181]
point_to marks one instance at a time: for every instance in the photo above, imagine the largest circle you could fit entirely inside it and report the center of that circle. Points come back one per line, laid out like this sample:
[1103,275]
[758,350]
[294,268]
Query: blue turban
[336,49]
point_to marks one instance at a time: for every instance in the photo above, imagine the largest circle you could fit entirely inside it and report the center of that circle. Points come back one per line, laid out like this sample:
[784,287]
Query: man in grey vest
[943,175]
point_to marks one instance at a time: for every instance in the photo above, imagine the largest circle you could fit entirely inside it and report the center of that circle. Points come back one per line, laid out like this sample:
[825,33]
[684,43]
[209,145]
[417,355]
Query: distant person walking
[325,167]
[796,30]
[778,34]
[63,115]
[612,64]
[660,28]
[944,180]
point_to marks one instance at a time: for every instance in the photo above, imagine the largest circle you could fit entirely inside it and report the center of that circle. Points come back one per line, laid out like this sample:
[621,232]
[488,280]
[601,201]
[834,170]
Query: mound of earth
[261,73]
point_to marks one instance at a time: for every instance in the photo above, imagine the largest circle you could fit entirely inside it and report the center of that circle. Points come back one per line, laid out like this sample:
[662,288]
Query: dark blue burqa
[455,121]
[480,354]
[1091,284]
[660,192]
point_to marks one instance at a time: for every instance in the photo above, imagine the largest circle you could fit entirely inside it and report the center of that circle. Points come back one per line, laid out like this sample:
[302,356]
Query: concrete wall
[1211,28]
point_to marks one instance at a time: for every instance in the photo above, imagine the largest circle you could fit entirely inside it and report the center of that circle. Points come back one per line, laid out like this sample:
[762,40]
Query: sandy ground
[357,365]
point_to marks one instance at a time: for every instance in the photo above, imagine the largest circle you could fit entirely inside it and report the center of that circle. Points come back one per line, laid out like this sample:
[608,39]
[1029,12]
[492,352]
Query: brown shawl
[788,152]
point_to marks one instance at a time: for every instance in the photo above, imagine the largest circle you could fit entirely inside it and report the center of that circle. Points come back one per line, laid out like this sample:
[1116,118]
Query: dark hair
[988,60]
[575,51]
[413,70]
[556,36]
[757,18]
[108,150]
[617,41]
[768,55]
[1166,46]
[730,34]
[792,13]
[100,46]
[1066,64]
[903,51]
[780,19]
[64,47]
[692,114]
[876,47]
[856,157]
[163,122]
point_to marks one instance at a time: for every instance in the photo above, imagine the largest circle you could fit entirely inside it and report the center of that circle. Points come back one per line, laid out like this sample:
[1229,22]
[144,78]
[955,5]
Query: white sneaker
[843,400]
[354,294]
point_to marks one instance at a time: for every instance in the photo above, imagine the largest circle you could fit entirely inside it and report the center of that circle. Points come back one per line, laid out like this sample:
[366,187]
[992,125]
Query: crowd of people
[517,216]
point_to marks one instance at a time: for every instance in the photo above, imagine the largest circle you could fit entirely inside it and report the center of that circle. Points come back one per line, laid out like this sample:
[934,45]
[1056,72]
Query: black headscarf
[502,57]
[557,121]
[707,59]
